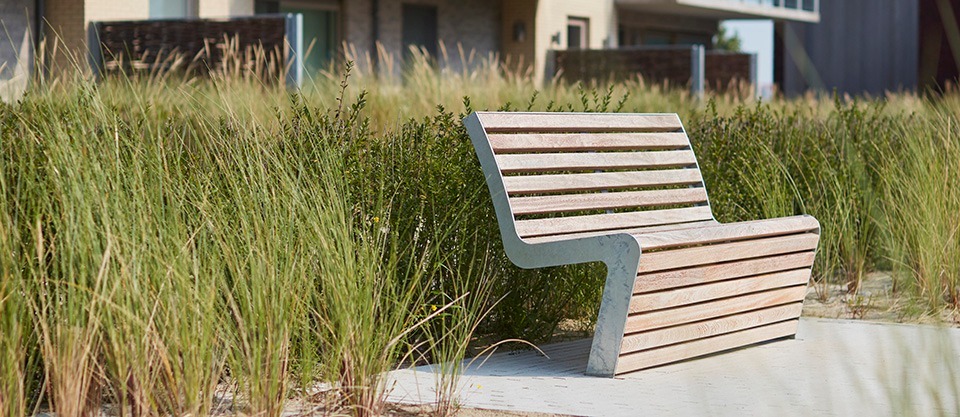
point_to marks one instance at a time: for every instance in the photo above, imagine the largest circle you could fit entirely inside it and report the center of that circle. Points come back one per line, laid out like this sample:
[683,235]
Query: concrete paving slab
[832,368]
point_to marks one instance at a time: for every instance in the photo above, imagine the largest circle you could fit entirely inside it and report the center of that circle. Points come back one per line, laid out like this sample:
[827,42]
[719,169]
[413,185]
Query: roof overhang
[724,9]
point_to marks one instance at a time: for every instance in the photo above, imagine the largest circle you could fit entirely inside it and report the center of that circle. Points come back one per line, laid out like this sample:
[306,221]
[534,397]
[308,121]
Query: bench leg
[612,318]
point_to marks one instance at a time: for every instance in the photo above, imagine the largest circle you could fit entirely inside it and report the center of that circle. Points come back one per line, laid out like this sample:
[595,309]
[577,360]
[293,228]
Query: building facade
[518,32]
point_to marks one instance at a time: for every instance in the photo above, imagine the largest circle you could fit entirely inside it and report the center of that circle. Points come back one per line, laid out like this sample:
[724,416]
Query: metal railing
[802,5]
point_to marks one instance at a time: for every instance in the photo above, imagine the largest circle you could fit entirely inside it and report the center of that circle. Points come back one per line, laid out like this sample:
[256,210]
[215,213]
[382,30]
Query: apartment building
[521,31]
[516,31]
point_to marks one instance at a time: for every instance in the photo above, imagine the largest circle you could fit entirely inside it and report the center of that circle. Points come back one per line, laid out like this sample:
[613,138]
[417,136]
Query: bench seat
[626,190]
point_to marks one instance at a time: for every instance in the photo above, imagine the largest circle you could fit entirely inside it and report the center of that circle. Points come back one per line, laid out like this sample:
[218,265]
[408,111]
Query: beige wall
[68,20]
[67,26]
[552,19]
[96,10]
[224,8]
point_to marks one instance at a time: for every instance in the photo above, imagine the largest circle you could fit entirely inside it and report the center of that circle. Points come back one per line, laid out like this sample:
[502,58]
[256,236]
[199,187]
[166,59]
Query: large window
[321,30]
[173,9]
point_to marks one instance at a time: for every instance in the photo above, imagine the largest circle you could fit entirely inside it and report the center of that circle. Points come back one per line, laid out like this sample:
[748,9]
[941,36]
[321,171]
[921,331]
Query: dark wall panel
[859,47]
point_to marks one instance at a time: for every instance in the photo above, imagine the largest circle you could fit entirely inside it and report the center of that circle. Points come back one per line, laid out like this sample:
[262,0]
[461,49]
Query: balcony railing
[804,5]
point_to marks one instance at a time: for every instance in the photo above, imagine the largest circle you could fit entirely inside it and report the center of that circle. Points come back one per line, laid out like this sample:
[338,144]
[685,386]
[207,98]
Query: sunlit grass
[169,243]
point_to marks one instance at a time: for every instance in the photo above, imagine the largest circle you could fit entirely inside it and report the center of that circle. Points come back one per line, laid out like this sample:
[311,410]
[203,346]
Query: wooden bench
[626,190]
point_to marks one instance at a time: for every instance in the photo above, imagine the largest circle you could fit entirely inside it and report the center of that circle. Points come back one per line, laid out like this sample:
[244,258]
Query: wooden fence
[684,66]
[266,46]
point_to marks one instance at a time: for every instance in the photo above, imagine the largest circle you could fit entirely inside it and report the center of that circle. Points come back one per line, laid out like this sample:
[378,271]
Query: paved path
[833,367]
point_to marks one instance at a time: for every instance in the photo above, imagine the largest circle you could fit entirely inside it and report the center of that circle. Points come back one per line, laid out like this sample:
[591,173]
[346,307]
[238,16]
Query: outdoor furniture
[626,190]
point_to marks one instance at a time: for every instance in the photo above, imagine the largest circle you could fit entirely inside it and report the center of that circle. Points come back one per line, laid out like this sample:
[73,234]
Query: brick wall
[472,24]
[356,31]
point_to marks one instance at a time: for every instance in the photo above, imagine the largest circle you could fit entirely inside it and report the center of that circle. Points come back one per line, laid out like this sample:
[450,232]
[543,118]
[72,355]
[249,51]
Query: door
[419,28]
[578,30]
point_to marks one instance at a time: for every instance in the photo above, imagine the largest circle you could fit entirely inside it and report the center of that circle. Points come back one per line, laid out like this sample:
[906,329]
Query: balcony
[793,10]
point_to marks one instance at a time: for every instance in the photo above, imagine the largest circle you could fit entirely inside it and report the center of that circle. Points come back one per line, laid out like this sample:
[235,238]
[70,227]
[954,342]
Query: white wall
[552,19]
[225,8]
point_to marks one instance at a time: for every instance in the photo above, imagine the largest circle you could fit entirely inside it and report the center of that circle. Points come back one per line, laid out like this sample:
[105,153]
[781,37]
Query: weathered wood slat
[716,290]
[641,360]
[596,222]
[556,183]
[629,230]
[601,201]
[696,312]
[578,122]
[725,252]
[559,142]
[728,232]
[700,287]
[540,162]
[698,330]
[710,273]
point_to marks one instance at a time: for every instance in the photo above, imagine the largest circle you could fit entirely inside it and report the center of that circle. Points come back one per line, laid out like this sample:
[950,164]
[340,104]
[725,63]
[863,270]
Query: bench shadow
[564,359]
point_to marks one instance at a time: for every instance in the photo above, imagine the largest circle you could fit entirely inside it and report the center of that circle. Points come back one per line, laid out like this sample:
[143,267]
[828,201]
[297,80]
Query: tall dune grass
[174,247]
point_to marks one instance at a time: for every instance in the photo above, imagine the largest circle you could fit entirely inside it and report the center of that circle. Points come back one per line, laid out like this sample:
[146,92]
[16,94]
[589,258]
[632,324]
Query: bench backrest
[580,174]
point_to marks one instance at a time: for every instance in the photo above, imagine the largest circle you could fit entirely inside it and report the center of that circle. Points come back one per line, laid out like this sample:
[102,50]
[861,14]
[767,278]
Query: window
[578,30]
[173,9]
[321,29]
[419,28]
[266,6]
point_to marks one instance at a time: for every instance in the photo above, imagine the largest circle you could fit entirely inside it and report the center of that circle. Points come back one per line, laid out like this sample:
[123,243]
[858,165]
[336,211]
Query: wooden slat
[556,183]
[705,274]
[560,142]
[598,222]
[725,252]
[728,232]
[696,312]
[646,359]
[699,330]
[629,230]
[715,290]
[600,201]
[539,162]
[578,122]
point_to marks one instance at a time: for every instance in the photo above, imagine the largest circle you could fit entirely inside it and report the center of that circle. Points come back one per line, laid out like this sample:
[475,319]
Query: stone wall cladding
[356,31]
[473,25]
[66,33]
[16,20]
